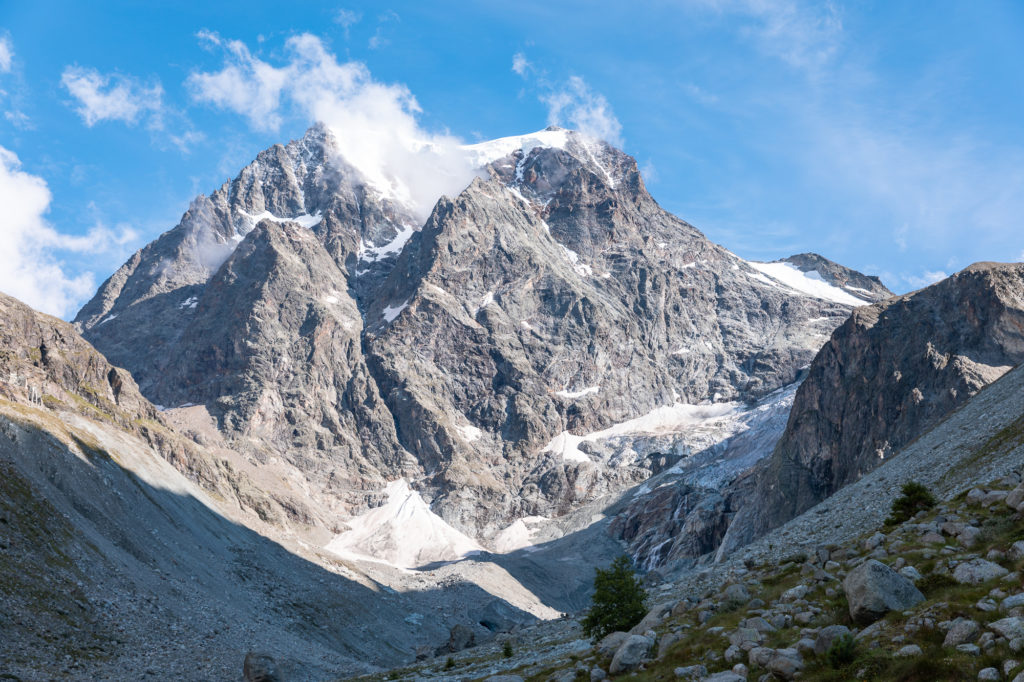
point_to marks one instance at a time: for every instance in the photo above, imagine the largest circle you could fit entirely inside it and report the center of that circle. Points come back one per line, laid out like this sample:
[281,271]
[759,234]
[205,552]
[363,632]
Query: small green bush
[842,652]
[618,601]
[914,498]
[935,582]
[449,664]
[506,649]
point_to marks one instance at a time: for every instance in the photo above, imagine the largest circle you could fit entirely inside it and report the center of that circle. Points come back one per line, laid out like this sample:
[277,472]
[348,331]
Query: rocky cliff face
[552,299]
[890,372]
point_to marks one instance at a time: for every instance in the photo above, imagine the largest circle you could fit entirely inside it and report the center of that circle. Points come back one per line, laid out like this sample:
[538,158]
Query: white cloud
[805,35]
[110,97]
[577,106]
[347,18]
[29,267]
[520,64]
[375,123]
[6,54]
[926,278]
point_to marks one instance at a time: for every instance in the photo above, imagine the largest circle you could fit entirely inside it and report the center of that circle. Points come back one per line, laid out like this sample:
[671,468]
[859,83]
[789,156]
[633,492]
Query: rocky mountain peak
[549,300]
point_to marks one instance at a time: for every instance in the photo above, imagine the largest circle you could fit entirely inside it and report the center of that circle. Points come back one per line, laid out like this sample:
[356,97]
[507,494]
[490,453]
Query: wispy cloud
[579,107]
[379,39]
[110,97]
[30,267]
[520,64]
[805,35]
[347,18]
[926,278]
[6,54]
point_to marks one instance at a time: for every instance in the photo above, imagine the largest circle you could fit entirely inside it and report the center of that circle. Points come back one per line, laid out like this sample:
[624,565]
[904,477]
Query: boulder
[910,573]
[666,641]
[736,593]
[989,675]
[1016,551]
[260,668]
[873,589]
[611,643]
[460,637]
[794,593]
[652,619]
[1016,497]
[977,571]
[962,631]
[725,676]
[760,656]
[1012,602]
[691,672]
[631,654]
[909,650]
[1010,628]
[826,636]
[785,663]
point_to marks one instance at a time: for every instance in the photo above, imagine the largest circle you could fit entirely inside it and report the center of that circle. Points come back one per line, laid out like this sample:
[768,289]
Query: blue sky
[886,136]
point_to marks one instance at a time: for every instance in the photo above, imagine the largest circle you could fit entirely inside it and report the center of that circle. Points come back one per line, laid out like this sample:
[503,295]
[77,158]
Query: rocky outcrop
[890,372]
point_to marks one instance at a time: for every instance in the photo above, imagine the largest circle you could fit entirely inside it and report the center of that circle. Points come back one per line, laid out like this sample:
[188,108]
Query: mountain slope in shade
[333,338]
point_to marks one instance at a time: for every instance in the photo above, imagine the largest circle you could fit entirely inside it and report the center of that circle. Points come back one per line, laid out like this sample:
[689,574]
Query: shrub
[449,664]
[914,498]
[842,652]
[618,601]
[933,583]
[506,649]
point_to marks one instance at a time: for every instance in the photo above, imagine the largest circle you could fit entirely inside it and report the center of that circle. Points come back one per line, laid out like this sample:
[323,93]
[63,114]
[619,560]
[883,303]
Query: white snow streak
[391,313]
[806,282]
[578,394]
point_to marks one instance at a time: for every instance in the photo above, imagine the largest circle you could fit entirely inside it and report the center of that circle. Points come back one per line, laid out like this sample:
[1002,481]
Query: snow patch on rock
[806,282]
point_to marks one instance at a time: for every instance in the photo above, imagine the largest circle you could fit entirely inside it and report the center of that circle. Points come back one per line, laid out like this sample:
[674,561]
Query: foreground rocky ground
[938,597]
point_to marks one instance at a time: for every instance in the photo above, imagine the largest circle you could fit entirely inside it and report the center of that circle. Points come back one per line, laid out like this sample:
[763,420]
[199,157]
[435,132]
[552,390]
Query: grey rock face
[873,589]
[554,296]
[890,372]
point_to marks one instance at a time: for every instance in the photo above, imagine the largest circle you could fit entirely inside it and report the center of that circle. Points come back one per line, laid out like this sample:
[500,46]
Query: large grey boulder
[962,631]
[1010,628]
[873,589]
[977,571]
[631,654]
